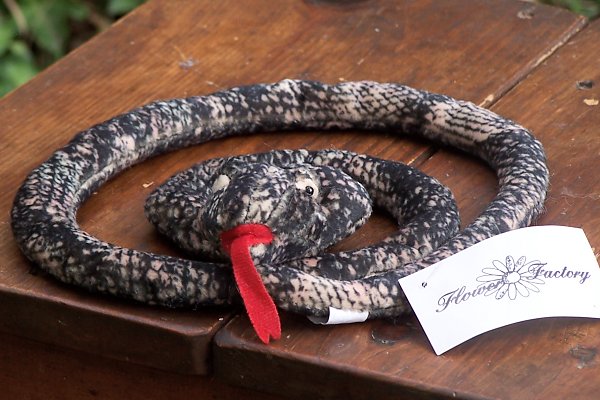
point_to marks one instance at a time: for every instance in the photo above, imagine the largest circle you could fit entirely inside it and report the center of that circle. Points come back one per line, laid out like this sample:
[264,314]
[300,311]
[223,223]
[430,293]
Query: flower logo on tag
[512,278]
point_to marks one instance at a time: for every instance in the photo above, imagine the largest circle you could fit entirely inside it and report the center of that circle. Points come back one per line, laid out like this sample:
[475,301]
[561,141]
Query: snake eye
[308,186]
[221,182]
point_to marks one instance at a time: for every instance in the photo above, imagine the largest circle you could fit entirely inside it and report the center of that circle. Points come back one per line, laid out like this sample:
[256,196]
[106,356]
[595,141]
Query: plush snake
[275,213]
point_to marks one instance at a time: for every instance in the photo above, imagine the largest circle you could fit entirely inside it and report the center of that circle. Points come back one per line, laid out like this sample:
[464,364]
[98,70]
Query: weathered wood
[163,49]
[177,48]
[552,358]
[35,371]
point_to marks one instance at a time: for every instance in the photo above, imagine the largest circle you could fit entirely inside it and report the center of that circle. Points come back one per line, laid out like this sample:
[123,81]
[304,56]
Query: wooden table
[521,60]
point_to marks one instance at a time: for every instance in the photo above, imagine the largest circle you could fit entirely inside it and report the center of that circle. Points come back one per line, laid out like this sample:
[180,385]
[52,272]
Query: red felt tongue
[259,305]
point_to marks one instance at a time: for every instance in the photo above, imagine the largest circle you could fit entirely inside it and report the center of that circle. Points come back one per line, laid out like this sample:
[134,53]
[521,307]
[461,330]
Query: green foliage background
[35,33]
[589,8]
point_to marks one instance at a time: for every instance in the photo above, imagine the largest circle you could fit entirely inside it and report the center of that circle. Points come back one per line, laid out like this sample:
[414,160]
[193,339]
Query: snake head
[306,207]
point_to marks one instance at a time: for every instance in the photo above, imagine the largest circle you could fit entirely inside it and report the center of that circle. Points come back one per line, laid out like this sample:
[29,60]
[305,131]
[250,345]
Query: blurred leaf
[48,22]
[16,67]
[589,8]
[120,7]
[78,10]
[19,49]
[48,25]
[8,31]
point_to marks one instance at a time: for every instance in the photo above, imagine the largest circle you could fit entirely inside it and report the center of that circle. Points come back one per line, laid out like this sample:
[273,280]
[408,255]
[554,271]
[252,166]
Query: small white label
[535,272]
[337,316]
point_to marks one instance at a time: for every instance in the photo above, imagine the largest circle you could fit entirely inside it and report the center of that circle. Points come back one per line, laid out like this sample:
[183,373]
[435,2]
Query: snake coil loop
[45,228]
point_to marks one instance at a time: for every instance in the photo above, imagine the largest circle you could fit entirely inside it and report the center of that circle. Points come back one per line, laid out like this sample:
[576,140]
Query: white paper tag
[536,272]
[337,316]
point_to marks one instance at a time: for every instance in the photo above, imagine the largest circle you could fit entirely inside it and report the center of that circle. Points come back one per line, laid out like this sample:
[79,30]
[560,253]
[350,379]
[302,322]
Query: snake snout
[281,199]
[246,202]
[246,194]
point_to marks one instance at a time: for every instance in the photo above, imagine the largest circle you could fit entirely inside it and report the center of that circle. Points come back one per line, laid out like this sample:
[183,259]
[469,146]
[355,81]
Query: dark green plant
[35,33]
[589,8]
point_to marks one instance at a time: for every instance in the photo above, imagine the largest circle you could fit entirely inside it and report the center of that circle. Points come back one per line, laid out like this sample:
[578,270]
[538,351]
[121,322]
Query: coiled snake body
[308,200]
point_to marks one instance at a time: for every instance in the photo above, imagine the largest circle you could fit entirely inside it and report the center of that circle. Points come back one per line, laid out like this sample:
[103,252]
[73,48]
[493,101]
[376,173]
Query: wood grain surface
[554,358]
[37,371]
[179,48]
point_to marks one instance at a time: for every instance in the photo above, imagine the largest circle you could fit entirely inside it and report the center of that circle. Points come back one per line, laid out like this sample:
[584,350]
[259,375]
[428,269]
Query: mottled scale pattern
[194,206]
[299,275]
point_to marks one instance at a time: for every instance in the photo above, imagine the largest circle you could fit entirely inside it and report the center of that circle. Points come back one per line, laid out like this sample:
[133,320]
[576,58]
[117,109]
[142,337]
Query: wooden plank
[35,371]
[553,358]
[558,355]
[176,48]
[163,49]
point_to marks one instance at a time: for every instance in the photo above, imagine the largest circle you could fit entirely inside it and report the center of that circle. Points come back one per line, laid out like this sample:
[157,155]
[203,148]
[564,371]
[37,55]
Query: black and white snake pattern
[311,199]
